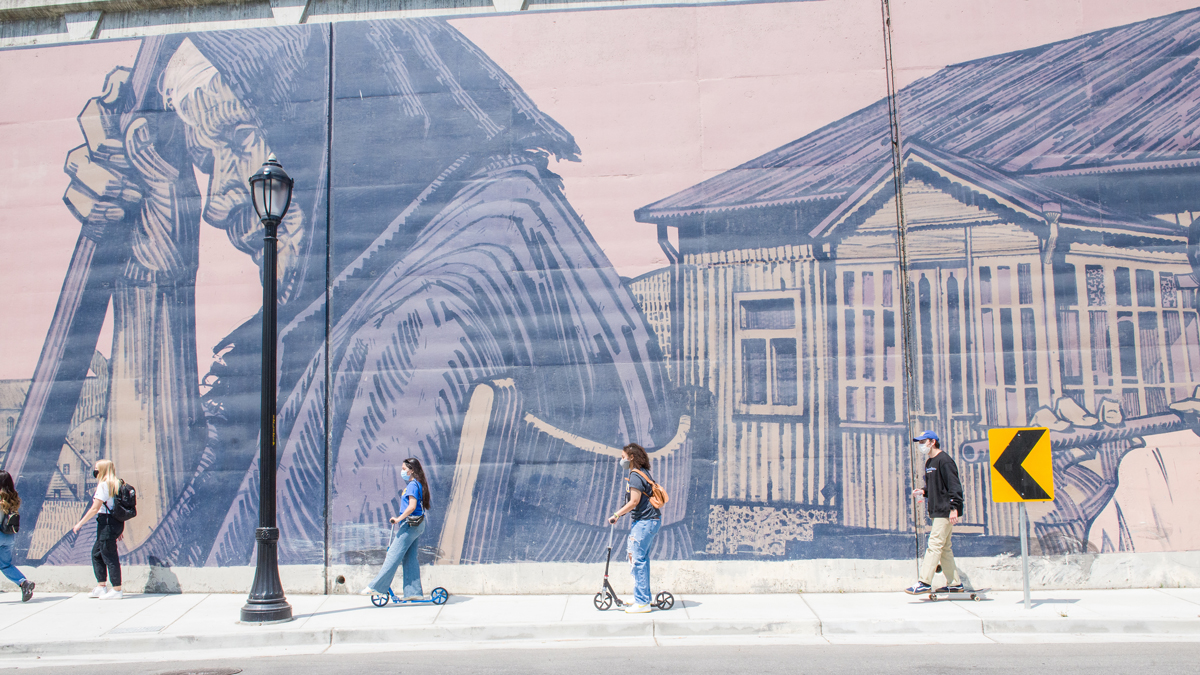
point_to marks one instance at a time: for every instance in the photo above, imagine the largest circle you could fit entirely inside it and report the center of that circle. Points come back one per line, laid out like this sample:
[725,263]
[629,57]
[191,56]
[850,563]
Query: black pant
[105,562]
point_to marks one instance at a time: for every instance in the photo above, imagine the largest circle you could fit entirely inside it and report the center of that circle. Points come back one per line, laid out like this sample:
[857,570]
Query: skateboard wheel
[933,596]
[379,600]
[664,600]
[439,596]
[602,601]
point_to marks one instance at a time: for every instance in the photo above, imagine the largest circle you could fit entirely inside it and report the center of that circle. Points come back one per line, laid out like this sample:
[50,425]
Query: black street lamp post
[271,190]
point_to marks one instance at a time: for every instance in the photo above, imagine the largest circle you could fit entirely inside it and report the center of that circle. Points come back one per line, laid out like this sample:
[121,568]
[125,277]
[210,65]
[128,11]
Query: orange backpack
[658,496]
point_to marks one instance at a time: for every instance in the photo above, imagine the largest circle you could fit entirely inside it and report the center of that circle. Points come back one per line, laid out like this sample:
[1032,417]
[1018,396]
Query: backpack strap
[646,478]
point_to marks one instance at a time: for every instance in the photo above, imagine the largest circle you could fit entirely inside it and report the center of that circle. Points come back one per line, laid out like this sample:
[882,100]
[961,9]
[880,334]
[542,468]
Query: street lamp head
[271,190]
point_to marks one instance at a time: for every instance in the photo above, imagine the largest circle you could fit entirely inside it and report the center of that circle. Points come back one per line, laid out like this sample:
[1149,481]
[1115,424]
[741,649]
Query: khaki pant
[938,550]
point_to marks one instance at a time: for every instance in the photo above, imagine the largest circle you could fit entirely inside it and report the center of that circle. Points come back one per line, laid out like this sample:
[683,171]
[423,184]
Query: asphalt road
[1171,658]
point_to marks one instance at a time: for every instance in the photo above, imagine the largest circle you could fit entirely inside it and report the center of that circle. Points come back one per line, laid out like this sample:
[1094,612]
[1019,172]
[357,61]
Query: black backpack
[125,503]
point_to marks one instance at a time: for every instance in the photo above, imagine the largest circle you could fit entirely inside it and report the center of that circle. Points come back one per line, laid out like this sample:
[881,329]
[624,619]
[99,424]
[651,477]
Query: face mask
[624,463]
[95,473]
[924,448]
[405,474]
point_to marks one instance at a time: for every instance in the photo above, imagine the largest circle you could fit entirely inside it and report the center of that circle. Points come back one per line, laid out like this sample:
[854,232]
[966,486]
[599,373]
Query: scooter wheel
[439,596]
[602,601]
[379,600]
[664,600]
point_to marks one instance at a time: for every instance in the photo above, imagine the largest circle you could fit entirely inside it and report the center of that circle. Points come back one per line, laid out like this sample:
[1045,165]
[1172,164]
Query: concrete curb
[120,644]
[450,635]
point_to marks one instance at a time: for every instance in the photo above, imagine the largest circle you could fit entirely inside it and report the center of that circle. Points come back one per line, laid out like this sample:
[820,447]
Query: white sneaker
[369,591]
[98,591]
[117,595]
[637,609]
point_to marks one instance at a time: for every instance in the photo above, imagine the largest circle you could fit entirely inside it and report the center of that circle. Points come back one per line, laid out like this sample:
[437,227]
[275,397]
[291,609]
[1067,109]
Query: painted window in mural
[768,363]
[871,366]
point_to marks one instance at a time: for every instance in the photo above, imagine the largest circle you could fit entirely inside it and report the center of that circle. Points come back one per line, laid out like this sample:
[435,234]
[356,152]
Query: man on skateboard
[944,494]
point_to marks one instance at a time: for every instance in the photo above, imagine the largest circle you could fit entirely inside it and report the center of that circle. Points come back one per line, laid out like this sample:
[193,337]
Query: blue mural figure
[173,111]
[456,262]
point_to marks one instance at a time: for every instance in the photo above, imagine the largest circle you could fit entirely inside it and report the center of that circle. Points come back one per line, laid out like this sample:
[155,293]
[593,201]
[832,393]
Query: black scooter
[607,596]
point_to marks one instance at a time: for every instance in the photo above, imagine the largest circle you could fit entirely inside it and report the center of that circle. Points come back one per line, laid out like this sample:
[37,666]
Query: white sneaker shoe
[637,609]
[117,595]
[369,591]
[98,591]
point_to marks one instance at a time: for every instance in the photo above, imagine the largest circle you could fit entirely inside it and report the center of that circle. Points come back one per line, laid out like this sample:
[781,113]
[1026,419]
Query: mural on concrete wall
[441,298]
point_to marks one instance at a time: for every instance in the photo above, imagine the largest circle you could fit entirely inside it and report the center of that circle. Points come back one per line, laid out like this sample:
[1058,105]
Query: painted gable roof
[1122,98]
[1026,200]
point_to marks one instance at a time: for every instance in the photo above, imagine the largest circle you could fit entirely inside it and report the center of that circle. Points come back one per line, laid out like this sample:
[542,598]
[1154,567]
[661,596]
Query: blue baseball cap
[927,435]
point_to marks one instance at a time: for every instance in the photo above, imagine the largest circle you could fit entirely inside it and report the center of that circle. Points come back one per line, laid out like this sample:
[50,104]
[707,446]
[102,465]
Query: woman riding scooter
[646,522]
[403,549]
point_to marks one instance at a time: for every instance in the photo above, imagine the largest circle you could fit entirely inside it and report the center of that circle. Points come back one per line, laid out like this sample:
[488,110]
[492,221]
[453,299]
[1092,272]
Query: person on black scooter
[403,549]
[646,522]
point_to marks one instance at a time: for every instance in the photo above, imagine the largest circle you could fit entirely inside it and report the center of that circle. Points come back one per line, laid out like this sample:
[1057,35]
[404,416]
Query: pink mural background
[659,99]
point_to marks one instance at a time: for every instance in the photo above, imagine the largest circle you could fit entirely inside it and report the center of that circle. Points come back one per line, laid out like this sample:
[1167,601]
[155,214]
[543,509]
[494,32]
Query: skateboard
[975,594]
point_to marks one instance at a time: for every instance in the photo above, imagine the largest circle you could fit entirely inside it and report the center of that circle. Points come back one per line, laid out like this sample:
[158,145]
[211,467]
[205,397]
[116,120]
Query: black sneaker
[920,588]
[954,588]
[27,590]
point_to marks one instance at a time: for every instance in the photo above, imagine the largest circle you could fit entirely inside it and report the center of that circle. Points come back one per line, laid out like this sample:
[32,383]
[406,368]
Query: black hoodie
[943,489]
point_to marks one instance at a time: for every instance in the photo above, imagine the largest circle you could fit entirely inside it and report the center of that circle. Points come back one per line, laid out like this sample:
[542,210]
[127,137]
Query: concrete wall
[768,242]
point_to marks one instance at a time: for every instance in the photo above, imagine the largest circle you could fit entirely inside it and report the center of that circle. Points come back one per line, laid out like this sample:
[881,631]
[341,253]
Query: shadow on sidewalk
[453,600]
[1051,601]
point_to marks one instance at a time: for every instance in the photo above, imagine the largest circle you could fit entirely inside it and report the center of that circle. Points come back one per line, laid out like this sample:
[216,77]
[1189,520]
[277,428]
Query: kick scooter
[607,596]
[439,596]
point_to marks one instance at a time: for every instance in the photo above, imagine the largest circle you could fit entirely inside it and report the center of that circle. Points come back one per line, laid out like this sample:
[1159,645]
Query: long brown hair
[9,501]
[637,456]
[414,467]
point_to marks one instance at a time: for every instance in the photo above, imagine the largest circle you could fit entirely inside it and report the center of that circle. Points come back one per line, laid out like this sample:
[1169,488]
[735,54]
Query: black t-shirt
[643,511]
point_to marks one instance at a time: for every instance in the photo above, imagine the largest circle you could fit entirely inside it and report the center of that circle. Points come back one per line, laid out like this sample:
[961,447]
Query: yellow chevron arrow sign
[1021,466]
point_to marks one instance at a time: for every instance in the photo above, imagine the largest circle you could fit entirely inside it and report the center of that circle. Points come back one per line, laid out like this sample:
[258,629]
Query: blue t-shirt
[413,490]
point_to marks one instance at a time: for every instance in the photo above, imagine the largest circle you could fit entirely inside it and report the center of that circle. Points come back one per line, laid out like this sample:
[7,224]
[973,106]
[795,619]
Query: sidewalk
[62,627]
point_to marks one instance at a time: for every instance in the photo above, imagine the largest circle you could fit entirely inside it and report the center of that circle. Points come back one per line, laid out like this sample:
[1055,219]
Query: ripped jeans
[641,540]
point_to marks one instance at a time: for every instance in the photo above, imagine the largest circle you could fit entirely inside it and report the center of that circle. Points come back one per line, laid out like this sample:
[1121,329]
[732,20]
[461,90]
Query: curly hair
[9,501]
[637,456]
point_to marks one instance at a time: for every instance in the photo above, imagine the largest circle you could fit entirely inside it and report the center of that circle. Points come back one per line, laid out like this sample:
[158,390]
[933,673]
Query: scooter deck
[975,594]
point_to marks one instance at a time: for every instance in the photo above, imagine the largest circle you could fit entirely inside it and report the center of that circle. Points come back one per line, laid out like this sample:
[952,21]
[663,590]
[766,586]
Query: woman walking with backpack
[10,524]
[646,521]
[403,549]
[105,562]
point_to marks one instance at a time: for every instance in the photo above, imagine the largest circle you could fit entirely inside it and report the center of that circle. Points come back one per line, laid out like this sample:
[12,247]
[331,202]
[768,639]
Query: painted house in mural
[1047,199]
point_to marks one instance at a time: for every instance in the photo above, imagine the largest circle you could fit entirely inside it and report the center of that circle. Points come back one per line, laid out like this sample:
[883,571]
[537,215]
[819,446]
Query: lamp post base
[267,603]
[274,611]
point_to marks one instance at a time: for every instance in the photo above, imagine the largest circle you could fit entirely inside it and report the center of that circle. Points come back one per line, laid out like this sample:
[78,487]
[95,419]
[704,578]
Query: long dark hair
[637,456]
[414,467]
[9,501]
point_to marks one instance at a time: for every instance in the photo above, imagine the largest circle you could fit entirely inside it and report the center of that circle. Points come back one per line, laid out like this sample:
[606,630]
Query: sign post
[1023,518]
[1021,472]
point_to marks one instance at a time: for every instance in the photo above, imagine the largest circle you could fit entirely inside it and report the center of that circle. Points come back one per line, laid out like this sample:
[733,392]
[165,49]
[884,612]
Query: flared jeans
[402,552]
